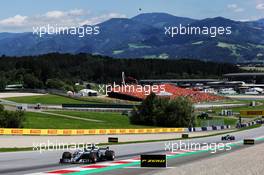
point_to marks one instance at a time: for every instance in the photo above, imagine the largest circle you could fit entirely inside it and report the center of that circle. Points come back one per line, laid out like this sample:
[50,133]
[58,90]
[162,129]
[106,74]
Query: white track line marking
[79,169]
[42,174]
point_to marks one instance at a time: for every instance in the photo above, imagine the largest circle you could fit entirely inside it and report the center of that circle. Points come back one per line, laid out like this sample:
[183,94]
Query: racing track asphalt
[172,163]
[32,162]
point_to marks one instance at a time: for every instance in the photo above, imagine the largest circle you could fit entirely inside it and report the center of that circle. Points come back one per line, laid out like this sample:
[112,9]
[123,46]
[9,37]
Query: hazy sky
[21,15]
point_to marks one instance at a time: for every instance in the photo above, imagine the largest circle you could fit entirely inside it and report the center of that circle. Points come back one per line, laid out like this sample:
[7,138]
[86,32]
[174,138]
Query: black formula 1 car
[228,137]
[90,154]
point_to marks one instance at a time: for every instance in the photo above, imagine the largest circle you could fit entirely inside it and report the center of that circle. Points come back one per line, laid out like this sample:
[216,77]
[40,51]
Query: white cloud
[71,18]
[61,14]
[55,14]
[101,18]
[17,20]
[76,12]
[260,6]
[235,8]
[239,10]
[116,15]
[232,6]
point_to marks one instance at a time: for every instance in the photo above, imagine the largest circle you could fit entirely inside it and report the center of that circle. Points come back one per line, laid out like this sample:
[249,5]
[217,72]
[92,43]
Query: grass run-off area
[244,108]
[238,109]
[50,99]
[48,121]
[226,120]
[104,120]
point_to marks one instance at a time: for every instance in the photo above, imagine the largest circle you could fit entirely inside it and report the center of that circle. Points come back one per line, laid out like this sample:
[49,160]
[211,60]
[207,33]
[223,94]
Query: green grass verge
[110,120]
[47,99]
[228,121]
[238,109]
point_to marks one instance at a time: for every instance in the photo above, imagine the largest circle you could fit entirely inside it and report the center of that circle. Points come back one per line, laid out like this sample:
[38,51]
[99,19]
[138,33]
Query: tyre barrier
[98,106]
[243,125]
[204,128]
[260,121]
[191,129]
[214,127]
[209,128]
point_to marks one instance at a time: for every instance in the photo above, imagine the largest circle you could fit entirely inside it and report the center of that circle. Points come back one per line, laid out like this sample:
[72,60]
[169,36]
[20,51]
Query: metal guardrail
[98,106]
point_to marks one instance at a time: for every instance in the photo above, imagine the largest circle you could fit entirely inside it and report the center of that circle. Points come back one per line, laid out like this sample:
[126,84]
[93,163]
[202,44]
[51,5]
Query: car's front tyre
[110,155]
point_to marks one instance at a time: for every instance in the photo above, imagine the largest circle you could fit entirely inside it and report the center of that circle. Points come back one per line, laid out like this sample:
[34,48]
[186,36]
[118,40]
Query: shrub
[164,112]
[2,108]
[10,119]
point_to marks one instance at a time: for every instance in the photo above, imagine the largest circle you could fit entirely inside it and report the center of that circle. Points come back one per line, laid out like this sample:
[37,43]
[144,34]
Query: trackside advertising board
[249,141]
[14,131]
[252,113]
[112,139]
[153,161]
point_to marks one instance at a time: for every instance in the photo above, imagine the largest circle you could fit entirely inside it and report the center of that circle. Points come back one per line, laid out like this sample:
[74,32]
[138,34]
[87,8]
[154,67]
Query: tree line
[64,70]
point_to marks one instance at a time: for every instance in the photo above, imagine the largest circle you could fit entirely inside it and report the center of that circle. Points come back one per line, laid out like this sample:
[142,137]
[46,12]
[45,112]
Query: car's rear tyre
[93,158]
[66,155]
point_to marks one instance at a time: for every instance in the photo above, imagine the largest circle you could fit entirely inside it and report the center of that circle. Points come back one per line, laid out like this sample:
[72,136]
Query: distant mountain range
[143,37]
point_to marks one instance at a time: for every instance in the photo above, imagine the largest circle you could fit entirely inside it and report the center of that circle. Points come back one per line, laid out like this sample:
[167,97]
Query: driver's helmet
[90,147]
[93,146]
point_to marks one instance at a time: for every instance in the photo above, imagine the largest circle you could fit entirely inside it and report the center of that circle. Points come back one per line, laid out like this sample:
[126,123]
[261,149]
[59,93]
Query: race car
[228,137]
[90,154]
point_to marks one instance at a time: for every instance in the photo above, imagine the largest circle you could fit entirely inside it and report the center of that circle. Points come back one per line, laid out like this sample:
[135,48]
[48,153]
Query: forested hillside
[64,70]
